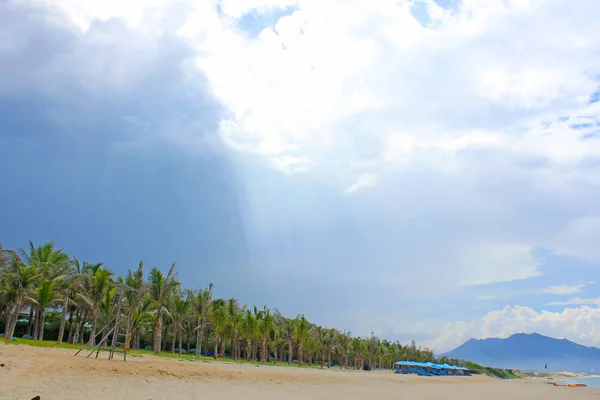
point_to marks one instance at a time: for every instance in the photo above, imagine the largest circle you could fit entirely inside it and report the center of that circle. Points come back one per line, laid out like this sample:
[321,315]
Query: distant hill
[530,352]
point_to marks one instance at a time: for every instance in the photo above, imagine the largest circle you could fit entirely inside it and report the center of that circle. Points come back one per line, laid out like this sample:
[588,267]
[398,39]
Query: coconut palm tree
[288,331]
[303,332]
[134,292]
[50,262]
[19,279]
[266,325]
[201,302]
[180,308]
[312,348]
[235,312]
[67,285]
[44,298]
[343,347]
[249,332]
[96,281]
[161,287]
[220,321]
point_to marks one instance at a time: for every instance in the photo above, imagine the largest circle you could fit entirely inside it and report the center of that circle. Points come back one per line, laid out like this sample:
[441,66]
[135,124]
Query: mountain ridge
[530,351]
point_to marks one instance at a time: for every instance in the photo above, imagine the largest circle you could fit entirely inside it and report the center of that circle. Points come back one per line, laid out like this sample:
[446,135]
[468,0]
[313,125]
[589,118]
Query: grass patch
[144,352]
[493,372]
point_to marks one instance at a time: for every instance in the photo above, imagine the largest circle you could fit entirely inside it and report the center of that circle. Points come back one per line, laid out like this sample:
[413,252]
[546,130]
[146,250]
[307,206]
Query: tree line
[156,310]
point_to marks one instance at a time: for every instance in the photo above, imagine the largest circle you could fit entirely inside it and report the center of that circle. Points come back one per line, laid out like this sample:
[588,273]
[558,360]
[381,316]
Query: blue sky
[421,169]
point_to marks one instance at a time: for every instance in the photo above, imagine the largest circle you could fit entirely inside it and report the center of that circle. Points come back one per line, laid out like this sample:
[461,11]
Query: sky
[420,169]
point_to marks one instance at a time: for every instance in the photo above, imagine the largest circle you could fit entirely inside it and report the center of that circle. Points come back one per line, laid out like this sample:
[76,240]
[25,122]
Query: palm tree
[161,288]
[312,347]
[50,263]
[45,297]
[266,324]
[343,347]
[235,311]
[18,279]
[180,307]
[219,318]
[134,291]
[288,331]
[356,349]
[303,328]
[95,283]
[248,331]
[201,303]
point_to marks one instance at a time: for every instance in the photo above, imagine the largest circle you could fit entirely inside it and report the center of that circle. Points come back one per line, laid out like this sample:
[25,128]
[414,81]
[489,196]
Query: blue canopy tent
[428,368]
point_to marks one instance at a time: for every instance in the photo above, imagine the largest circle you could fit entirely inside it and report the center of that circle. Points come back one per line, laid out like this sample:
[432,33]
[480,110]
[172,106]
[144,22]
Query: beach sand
[57,374]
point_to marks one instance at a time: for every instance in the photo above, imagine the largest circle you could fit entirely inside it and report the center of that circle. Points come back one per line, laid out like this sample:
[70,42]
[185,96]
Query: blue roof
[430,365]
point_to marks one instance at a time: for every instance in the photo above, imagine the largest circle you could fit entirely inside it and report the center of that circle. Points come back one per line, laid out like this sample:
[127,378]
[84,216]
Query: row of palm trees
[89,296]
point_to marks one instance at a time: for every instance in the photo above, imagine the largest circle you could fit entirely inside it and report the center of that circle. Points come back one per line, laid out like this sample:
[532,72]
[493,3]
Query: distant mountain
[530,352]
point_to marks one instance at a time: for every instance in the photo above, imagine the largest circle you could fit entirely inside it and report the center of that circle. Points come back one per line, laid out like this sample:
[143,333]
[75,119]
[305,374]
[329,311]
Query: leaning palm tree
[161,287]
[19,279]
[200,303]
[288,330]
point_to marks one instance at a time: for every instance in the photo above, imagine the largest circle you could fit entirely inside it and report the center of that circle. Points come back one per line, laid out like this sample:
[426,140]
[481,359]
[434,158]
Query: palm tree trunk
[173,337]
[290,350]
[70,333]
[222,341]
[92,339]
[13,321]
[8,321]
[42,324]
[300,354]
[198,342]
[248,350]
[188,343]
[81,326]
[157,332]
[128,331]
[165,336]
[216,346]
[30,324]
[36,325]
[180,341]
[63,321]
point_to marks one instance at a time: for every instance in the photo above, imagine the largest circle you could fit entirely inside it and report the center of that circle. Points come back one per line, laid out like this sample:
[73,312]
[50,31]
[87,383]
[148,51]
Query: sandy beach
[56,374]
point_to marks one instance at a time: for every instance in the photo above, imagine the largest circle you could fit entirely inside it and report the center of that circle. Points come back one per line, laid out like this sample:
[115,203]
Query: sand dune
[57,374]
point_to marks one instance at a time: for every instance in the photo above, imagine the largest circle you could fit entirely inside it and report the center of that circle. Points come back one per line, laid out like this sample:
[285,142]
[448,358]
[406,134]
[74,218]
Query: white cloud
[577,301]
[365,180]
[485,263]
[560,290]
[579,238]
[581,325]
[299,86]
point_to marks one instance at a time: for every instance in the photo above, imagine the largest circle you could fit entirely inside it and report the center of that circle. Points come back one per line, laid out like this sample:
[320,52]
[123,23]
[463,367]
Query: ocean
[590,382]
